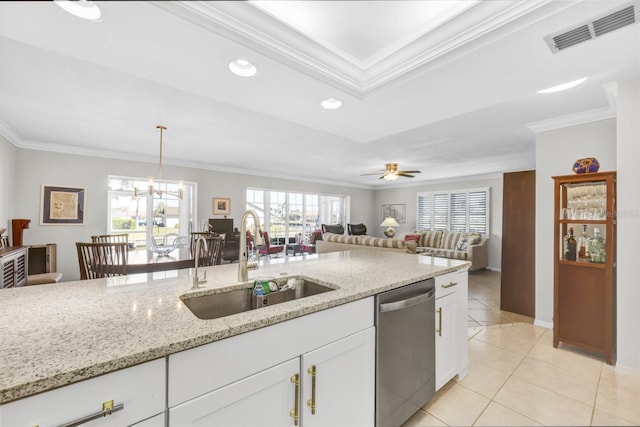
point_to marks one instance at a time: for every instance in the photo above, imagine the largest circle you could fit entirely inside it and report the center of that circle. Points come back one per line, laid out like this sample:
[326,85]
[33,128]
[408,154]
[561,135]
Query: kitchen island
[56,335]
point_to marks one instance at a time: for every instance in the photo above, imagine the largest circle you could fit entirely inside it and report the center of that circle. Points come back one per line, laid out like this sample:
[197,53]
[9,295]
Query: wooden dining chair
[195,235]
[213,254]
[111,238]
[97,260]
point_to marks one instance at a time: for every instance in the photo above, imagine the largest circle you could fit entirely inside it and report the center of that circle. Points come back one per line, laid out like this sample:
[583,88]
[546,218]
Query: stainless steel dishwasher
[405,351]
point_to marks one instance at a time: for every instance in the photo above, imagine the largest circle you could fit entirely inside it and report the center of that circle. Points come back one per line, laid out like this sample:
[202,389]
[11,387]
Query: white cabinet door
[447,323]
[344,383]
[264,399]
[138,390]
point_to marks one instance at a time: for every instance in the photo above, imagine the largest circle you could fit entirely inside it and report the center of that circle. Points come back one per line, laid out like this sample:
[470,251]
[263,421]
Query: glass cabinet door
[583,222]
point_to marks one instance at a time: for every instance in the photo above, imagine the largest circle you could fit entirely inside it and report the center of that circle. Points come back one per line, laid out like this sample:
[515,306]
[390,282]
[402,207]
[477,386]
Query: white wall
[8,153]
[556,151]
[34,168]
[628,223]
[409,195]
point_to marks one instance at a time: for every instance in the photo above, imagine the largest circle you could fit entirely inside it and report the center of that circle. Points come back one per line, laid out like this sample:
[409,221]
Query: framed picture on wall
[221,206]
[397,211]
[62,205]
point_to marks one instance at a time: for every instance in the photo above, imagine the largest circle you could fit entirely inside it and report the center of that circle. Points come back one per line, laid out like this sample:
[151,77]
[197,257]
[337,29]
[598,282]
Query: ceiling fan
[392,173]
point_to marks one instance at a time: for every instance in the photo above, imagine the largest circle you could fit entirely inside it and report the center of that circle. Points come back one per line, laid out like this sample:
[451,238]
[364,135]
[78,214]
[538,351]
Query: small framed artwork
[221,206]
[62,205]
[397,211]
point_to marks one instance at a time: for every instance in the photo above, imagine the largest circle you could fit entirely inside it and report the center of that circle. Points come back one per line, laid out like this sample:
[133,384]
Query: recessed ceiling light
[242,68]
[331,104]
[563,86]
[81,8]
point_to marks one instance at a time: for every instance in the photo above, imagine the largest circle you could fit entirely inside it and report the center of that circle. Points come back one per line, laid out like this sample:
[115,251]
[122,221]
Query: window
[294,215]
[145,217]
[457,210]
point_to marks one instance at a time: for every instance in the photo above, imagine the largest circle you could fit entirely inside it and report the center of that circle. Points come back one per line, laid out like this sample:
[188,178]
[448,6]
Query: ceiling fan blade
[375,173]
[409,172]
[405,175]
[382,177]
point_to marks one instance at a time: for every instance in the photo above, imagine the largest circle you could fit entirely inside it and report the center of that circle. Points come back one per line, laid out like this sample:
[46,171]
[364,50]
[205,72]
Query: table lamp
[389,222]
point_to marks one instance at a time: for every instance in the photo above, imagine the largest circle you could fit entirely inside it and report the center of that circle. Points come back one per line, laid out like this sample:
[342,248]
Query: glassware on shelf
[597,247]
[585,202]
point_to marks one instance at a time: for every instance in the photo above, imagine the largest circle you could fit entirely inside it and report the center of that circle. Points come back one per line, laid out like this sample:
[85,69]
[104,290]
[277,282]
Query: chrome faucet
[243,260]
[196,281]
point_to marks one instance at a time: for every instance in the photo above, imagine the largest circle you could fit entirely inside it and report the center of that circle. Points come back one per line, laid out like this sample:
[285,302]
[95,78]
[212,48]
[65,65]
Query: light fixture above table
[152,189]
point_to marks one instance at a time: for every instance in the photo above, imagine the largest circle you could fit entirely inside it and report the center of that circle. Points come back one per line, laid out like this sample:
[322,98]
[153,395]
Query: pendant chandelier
[153,190]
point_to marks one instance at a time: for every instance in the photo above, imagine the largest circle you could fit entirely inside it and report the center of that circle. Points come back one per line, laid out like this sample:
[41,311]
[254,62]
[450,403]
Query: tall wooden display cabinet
[584,306]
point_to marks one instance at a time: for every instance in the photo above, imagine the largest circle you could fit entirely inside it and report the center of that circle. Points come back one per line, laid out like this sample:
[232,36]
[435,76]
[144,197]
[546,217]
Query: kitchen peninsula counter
[58,334]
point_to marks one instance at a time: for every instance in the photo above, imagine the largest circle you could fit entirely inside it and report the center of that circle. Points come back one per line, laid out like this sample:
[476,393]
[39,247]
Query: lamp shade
[389,222]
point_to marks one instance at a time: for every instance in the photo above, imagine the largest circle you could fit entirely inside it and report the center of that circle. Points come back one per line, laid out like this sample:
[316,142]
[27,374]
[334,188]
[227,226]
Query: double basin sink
[213,306]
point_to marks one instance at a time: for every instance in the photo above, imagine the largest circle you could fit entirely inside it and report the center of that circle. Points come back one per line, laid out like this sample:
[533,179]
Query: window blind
[459,210]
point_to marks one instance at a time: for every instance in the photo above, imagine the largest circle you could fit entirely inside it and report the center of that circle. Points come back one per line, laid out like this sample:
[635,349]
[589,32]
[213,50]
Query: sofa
[470,247]
[332,242]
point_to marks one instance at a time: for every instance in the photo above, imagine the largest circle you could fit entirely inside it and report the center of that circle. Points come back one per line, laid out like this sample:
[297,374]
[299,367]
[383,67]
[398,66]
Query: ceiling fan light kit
[391,173]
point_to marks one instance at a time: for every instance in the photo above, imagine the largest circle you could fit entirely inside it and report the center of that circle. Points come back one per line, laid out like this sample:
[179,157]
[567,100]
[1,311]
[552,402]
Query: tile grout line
[492,400]
[595,400]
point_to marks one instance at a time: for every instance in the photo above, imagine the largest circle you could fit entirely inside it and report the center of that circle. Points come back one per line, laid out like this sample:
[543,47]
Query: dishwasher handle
[405,303]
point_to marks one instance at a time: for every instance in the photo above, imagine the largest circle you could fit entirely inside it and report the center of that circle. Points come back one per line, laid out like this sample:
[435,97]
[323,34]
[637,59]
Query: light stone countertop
[54,335]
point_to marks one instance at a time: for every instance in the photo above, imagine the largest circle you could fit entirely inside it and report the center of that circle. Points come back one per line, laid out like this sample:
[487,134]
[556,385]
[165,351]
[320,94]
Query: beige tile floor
[484,301]
[517,378]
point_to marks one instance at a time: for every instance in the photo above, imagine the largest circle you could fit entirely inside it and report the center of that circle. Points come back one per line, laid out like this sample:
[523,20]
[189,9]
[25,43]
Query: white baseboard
[543,324]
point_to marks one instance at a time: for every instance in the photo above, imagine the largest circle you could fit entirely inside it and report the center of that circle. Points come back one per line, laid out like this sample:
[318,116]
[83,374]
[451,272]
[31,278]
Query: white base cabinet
[342,392]
[337,344]
[140,389]
[451,326]
[264,399]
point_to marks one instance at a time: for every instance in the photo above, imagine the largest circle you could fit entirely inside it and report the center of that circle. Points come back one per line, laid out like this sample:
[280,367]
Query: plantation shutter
[425,207]
[458,221]
[478,211]
[460,211]
[440,212]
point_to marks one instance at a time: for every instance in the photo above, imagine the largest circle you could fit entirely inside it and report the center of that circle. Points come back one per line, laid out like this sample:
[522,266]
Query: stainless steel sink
[223,304]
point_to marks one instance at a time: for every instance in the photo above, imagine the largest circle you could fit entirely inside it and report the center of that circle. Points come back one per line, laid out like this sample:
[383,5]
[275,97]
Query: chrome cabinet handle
[312,402]
[405,303]
[439,330]
[450,285]
[108,408]
[295,412]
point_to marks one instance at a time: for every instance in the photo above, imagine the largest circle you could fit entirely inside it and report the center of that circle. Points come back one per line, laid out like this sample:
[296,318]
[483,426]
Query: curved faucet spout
[196,255]
[243,260]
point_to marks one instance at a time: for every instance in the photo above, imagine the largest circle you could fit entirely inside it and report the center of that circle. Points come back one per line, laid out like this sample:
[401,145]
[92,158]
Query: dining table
[148,261]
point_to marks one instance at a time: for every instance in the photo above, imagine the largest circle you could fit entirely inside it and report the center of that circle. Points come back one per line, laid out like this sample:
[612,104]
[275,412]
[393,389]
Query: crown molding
[466,178]
[81,151]
[249,26]
[10,135]
[597,114]
[594,115]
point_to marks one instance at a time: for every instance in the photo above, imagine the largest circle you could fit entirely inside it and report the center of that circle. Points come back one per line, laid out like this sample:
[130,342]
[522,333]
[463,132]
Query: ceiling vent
[626,14]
